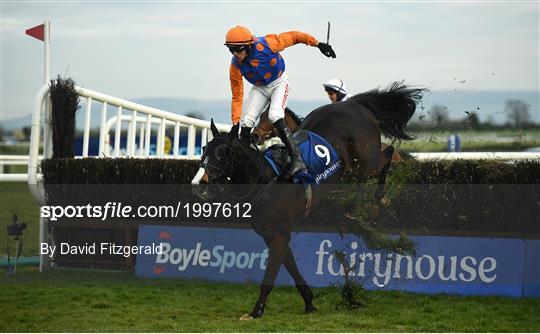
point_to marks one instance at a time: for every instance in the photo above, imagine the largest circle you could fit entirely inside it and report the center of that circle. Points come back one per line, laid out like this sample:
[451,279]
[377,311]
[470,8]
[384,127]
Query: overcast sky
[175,49]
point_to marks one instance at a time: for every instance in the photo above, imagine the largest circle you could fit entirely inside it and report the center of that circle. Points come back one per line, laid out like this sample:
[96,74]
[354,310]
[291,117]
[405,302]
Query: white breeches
[276,93]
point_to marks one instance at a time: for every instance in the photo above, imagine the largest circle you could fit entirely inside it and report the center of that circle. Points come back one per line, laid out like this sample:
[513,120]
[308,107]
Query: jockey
[258,60]
[336,90]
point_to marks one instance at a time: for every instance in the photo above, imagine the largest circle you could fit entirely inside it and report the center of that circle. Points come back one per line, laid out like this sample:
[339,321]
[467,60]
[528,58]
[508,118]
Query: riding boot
[245,134]
[297,164]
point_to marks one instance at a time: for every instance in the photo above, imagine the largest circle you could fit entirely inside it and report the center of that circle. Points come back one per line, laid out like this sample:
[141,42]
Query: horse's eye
[222,154]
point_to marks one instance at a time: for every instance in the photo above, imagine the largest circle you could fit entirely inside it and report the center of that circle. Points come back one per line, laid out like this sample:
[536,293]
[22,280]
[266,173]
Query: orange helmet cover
[238,35]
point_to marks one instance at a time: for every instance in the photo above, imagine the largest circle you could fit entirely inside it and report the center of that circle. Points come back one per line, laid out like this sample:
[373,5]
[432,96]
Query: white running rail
[509,156]
[138,118]
[13,160]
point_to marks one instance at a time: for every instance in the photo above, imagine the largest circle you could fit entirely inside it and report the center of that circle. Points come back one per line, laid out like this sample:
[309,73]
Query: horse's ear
[213,127]
[234,131]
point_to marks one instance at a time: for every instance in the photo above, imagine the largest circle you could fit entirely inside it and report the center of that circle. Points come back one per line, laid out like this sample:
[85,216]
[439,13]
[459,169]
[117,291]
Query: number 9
[323,152]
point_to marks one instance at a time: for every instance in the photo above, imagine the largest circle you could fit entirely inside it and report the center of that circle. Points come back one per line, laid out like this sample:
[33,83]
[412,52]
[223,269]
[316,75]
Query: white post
[132,134]
[141,139]
[46,43]
[161,139]
[147,135]
[86,133]
[117,132]
[176,140]
[102,133]
[204,132]
[47,127]
[47,136]
[191,141]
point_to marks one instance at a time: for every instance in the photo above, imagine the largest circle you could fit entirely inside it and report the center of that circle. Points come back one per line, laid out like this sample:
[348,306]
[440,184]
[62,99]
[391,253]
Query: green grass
[17,149]
[466,146]
[101,301]
[15,197]
[485,141]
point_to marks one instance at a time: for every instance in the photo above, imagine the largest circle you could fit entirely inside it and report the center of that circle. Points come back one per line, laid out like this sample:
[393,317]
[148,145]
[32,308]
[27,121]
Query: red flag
[37,32]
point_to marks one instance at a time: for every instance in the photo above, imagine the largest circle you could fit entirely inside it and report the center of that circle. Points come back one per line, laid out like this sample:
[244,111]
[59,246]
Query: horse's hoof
[258,310]
[245,317]
[255,315]
[310,308]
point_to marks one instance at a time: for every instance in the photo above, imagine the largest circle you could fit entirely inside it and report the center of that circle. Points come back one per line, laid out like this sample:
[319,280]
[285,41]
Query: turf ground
[16,198]
[104,301]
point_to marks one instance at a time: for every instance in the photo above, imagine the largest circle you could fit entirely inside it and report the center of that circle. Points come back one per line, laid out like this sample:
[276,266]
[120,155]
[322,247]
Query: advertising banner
[457,265]
[531,271]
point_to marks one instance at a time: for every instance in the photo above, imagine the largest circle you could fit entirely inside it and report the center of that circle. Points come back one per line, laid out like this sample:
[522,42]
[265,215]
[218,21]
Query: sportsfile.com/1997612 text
[118,210]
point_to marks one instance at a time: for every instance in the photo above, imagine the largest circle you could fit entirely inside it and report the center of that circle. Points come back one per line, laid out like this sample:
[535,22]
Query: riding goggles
[330,90]
[237,48]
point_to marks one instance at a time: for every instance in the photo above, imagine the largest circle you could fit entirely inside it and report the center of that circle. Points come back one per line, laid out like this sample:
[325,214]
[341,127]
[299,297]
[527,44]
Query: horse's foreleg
[278,248]
[386,159]
[290,264]
[303,288]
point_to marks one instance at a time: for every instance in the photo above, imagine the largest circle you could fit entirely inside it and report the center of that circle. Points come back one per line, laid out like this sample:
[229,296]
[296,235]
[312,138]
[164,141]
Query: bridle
[222,170]
[227,169]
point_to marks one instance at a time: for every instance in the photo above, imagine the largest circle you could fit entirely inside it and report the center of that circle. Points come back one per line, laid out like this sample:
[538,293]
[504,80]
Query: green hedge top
[171,171]
[118,171]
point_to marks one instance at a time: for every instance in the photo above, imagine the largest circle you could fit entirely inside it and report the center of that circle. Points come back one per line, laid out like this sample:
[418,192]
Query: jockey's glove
[326,50]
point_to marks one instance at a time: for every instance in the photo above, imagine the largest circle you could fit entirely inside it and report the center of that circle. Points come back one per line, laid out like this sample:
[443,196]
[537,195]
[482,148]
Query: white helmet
[337,85]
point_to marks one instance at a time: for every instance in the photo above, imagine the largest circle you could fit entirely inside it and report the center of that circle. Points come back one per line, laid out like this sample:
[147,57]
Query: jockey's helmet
[238,35]
[336,85]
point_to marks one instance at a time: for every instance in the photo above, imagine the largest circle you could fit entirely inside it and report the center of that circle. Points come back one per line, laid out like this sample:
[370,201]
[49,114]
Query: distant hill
[487,104]
[17,122]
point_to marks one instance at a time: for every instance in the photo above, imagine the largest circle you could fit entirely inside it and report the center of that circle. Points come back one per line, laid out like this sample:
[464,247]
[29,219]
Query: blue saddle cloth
[319,156]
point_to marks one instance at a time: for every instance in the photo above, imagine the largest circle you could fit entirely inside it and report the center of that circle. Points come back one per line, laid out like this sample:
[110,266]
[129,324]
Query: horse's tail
[393,107]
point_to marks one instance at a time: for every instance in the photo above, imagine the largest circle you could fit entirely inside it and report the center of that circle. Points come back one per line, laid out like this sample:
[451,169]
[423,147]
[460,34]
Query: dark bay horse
[352,127]
[266,130]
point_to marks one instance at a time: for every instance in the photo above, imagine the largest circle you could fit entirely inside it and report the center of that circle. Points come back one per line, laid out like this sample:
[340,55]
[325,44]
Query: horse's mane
[393,107]
[294,115]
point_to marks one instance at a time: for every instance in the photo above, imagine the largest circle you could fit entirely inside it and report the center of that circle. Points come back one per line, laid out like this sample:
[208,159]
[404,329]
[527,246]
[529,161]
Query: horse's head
[217,162]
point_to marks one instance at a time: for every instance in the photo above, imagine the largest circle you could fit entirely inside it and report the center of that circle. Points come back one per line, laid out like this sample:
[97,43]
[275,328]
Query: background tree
[439,114]
[27,131]
[517,112]
[473,121]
